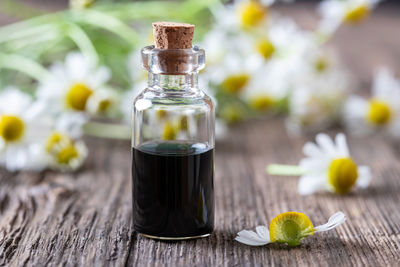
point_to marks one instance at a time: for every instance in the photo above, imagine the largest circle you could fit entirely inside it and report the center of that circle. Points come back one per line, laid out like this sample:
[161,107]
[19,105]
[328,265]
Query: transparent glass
[172,144]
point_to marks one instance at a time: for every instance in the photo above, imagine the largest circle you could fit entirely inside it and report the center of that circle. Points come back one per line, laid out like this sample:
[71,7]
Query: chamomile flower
[319,90]
[63,147]
[379,113]
[22,128]
[327,166]
[65,153]
[233,77]
[103,102]
[336,12]
[73,83]
[289,228]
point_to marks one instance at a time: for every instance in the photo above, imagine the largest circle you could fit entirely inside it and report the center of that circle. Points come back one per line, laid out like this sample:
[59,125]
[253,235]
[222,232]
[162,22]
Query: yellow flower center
[379,112]
[321,65]
[169,132]
[357,14]
[77,96]
[265,48]
[161,114]
[342,175]
[261,102]
[104,105]
[66,154]
[183,123]
[231,113]
[290,228]
[56,139]
[235,83]
[12,128]
[252,13]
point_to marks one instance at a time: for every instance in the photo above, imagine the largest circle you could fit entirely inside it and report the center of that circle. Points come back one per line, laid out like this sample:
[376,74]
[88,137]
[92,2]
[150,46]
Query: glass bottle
[173,148]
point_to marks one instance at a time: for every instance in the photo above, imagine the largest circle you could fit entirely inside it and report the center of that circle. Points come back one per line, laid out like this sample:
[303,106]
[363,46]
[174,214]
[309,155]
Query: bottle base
[174,238]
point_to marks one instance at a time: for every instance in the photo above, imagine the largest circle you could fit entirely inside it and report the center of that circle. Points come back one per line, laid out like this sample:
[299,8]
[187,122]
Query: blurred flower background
[75,72]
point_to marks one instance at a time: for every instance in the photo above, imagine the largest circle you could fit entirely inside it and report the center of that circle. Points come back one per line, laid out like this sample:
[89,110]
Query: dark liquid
[173,192]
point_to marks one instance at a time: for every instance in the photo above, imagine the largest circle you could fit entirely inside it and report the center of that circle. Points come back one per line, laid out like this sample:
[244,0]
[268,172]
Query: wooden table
[85,218]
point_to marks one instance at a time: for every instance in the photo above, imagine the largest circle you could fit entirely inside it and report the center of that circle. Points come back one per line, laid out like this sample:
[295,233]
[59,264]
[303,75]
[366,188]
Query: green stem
[286,170]
[107,22]
[26,26]
[107,130]
[24,65]
[80,38]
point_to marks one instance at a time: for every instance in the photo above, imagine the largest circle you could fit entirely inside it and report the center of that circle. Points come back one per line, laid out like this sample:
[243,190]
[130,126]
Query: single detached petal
[335,220]
[251,238]
[364,176]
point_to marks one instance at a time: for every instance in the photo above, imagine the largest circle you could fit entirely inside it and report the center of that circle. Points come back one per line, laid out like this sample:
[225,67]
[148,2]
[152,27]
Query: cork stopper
[172,35]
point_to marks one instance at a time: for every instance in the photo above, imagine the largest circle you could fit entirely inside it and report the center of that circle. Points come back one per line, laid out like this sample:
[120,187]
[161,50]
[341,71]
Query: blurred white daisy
[289,228]
[64,149]
[379,113]
[327,166]
[22,129]
[320,88]
[73,83]
[336,12]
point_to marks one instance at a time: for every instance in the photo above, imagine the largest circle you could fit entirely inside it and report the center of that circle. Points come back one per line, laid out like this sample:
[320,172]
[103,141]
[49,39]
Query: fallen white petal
[335,220]
[251,238]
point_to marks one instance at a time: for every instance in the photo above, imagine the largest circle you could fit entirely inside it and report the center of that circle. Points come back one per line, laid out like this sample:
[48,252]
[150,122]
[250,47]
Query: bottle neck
[173,82]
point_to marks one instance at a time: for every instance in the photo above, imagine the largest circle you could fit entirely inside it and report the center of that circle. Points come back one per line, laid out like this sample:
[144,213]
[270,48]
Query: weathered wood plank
[85,218]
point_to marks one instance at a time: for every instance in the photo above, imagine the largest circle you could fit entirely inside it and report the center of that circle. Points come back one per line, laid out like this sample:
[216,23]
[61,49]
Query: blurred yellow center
[252,13]
[357,14]
[183,123]
[161,114]
[321,64]
[66,154]
[265,48]
[56,139]
[169,131]
[235,83]
[261,102]
[77,96]
[104,105]
[290,228]
[342,174]
[379,112]
[12,128]
[231,113]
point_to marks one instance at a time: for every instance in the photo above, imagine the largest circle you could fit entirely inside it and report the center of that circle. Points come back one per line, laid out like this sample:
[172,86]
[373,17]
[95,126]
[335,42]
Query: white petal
[326,143]
[263,232]
[341,145]
[309,184]
[315,164]
[312,150]
[364,176]
[335,220]
[252,238]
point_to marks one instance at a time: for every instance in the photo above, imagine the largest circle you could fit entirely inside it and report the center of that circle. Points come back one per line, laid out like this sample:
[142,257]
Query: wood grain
[85,218]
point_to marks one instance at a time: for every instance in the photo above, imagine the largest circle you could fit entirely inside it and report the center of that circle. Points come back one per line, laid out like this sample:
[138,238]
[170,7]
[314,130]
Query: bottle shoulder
[192,96]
